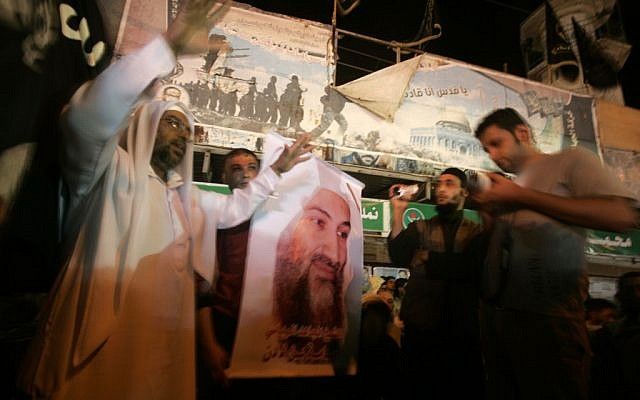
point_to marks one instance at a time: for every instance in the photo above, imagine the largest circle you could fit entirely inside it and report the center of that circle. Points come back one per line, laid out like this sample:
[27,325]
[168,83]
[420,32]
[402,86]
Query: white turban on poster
[300,309]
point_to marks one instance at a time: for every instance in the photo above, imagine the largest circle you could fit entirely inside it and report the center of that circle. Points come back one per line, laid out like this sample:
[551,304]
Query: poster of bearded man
[300,308]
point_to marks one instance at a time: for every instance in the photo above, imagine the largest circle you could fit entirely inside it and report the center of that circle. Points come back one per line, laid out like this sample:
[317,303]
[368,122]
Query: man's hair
[458,173]
[236,152]
[505,118]
[598,304]
[622,280]
[625,293]
[623,283]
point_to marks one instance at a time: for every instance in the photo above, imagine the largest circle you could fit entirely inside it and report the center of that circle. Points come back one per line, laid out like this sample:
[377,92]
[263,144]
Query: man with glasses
[120,320]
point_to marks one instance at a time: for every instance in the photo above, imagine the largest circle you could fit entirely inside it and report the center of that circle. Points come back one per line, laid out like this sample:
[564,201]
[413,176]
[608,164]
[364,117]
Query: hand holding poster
[300,311]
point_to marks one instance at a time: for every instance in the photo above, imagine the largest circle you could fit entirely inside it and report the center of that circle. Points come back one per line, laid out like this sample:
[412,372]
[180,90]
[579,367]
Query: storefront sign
[610,243]
[375,215]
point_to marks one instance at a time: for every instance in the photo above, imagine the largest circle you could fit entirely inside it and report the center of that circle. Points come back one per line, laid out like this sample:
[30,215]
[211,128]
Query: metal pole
[404,46]
[334,41]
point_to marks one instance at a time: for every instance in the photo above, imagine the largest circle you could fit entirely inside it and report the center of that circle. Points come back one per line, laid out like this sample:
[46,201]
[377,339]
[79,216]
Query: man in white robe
[119,323]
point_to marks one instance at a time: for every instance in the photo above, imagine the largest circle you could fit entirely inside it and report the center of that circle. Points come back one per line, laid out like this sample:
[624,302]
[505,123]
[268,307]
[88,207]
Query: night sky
[480,32]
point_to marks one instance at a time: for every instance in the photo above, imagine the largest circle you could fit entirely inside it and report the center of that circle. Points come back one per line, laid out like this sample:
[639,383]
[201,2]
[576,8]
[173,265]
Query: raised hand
[195,17]
[293,155]
[398,202]
[502,190]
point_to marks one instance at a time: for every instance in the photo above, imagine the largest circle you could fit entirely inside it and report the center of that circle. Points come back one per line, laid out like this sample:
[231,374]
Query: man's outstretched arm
[99,108]
[609,213]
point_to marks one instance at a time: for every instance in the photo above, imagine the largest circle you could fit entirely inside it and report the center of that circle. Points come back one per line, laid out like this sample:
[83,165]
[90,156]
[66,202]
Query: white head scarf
[92,288]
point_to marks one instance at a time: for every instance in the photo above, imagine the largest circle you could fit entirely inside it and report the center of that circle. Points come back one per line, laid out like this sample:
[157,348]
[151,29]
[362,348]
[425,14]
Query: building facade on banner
[451,134]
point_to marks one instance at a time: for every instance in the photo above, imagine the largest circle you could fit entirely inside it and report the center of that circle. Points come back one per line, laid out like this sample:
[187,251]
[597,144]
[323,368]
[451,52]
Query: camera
[406,191]
[477,181]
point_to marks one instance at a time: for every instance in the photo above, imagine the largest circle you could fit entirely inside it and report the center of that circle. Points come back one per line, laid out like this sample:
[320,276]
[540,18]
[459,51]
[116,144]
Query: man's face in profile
[311,257]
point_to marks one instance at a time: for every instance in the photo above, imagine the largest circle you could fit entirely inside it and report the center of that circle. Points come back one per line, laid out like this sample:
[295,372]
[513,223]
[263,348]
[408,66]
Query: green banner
[417,211]
[213,187]
[611,243]
[375,215]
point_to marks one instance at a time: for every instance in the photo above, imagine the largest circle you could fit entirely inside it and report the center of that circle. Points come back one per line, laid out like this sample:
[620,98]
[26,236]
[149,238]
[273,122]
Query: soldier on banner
[333,104]
[290,106]
[271,97]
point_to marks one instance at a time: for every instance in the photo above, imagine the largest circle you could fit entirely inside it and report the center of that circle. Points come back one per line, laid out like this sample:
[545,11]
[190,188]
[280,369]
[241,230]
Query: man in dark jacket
[441,339]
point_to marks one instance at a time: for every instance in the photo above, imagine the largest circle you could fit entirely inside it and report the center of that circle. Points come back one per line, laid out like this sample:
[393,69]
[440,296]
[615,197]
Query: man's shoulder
[205,197]
[436,219]
[422,223]
[240,229]
[474,228]
[470,222]
[573,155]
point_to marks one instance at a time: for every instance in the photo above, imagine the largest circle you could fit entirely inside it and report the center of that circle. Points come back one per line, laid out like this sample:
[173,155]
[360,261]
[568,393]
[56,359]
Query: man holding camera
[536,335]
[441,339]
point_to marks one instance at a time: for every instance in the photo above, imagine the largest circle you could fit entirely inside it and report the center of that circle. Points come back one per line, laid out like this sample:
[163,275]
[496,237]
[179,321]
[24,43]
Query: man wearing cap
[441,338]
[119,323]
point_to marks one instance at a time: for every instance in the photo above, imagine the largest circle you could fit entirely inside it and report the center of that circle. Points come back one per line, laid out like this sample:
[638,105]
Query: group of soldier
[263,106]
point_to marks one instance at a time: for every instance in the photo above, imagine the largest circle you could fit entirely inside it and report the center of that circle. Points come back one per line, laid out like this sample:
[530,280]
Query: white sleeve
[212,211]
[242,203]
[99,108]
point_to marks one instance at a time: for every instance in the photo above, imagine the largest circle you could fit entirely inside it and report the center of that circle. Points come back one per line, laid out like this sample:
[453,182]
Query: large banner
[433,126]
[300,310]
[443,102]
[274,73]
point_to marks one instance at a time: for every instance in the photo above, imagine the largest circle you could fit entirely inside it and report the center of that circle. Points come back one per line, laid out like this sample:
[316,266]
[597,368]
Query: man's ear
[465,192]
[522,133]
[223,177]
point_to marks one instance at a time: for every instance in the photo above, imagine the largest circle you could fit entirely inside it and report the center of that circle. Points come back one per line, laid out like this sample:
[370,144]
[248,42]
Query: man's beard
[163,156]
[304,302]
[447,208]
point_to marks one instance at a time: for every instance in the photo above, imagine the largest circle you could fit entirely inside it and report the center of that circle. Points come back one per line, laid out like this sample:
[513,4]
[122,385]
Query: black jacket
[442,294]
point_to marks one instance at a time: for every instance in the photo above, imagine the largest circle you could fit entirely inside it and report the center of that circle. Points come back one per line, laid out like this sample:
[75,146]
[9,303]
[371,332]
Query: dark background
[480,32]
